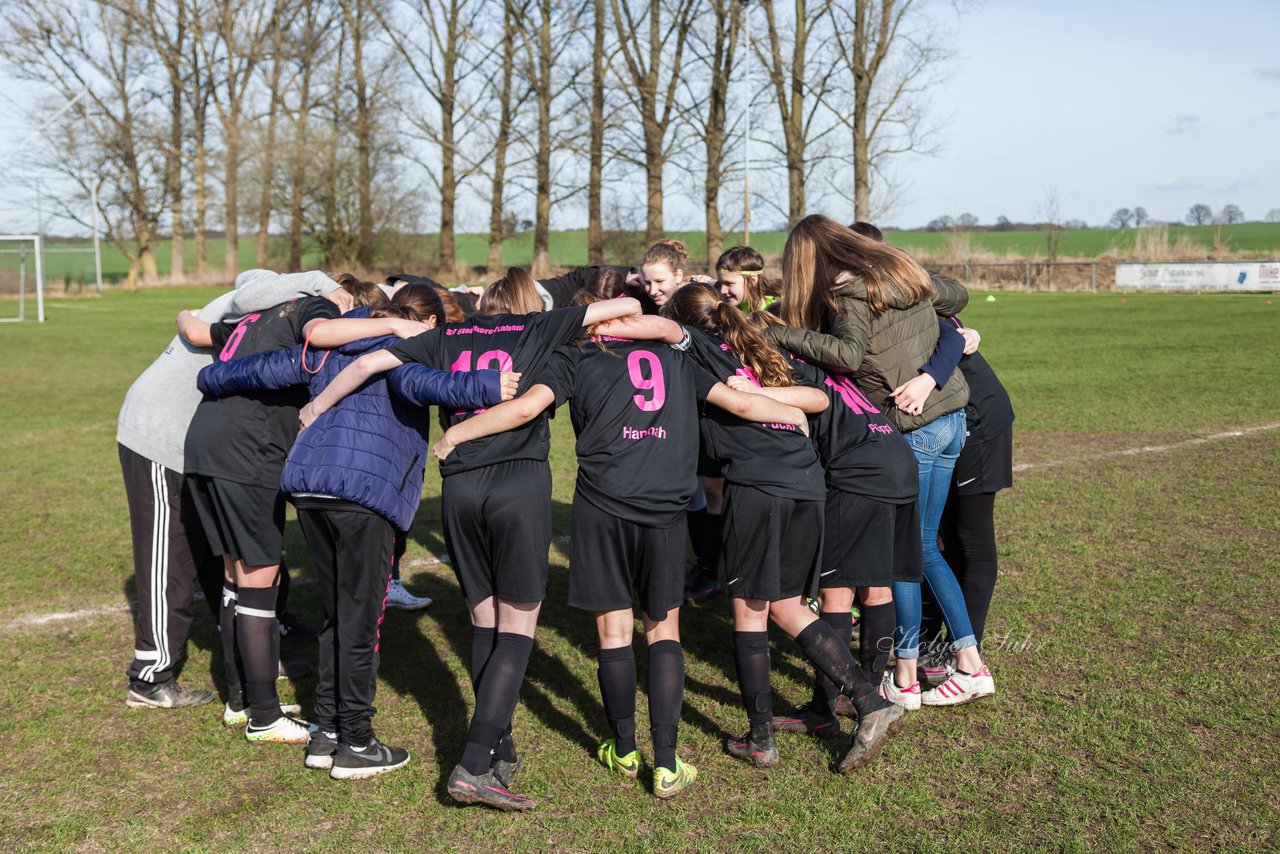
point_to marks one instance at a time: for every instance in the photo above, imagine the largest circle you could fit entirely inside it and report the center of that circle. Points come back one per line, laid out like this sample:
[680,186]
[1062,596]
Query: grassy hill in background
[71,263]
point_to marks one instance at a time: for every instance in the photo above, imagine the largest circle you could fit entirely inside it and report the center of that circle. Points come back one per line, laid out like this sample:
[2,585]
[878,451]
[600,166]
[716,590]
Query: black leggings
[968,537]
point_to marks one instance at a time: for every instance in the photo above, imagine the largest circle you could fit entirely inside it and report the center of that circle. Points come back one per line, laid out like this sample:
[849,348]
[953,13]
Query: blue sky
[1113,104]
[1108,104]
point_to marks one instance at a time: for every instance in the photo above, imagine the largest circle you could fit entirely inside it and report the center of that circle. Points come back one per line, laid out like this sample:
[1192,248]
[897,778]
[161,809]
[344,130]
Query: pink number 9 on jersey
[653,383]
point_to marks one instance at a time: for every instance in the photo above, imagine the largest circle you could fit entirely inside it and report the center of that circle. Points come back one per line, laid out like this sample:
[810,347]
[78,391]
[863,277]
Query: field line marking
[30,620]
[1151,449]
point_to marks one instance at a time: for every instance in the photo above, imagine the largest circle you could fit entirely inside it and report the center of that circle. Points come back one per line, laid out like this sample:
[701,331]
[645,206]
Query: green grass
[1133,626]
[568,248]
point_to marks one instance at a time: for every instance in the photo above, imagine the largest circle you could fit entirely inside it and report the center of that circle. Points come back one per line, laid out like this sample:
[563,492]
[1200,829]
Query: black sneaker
[163,695]
[358,763]
[321,749]
[757,747]
[467,788]
[292,627]
[873,731]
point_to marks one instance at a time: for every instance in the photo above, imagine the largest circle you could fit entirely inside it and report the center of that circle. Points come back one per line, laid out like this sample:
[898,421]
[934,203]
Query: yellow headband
[741,272]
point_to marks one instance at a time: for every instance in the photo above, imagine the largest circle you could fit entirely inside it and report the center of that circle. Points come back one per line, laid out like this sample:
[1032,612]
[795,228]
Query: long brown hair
[749,264]
[514,293]
[364,294]
[699,305]
[819,250]
[413,302]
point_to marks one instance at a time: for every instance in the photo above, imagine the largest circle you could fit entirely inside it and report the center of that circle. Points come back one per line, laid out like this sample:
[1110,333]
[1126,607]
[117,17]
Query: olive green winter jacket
[883,351]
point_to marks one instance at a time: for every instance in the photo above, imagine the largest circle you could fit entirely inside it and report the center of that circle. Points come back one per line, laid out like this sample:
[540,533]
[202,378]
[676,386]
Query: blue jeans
[936,445]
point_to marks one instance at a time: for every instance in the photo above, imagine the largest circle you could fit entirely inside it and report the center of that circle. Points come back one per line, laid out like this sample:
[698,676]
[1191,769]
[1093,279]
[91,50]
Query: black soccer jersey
[775,458]
[861,451]
[635,409]
[245,438]
[504,342]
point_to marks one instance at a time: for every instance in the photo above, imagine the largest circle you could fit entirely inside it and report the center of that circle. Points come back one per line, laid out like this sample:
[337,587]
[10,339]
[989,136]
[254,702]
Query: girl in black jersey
[635,406]
[872,524]
[496,502]
[773,527]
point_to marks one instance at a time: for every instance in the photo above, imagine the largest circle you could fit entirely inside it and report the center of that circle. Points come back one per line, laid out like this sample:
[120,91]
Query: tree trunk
[496,229]
[231,188]
[177,263]
[726,40]
[595,174]
[448,185]
[542,169]
[364,141]
[269,151]
[300,160]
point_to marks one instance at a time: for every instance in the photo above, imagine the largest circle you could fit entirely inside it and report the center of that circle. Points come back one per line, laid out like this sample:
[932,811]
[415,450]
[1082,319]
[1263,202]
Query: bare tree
[966,221]
[714,41]
[442,57]
[645,39]
[239,39]
[595,157]
[1121,218]
[114,138]
[501,84]
[308,54]
[1140,217]
[1231,214]
[893,56]
[1200,215]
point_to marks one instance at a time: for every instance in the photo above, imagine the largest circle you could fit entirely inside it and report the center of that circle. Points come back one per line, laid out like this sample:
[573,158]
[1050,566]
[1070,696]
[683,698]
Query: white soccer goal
[21,255]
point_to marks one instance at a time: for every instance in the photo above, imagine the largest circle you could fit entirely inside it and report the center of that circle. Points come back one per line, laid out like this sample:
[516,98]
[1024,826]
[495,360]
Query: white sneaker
[286,730]
[908,697]
[961,688]
[233,718]
[398,597]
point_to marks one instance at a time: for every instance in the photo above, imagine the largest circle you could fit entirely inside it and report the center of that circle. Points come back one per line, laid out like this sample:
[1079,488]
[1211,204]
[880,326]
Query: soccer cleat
[908,697]
[757,747]
[240,717]
[163,695]
[961,688]
[285,729]
[398,597]
[506,770]
[668,783]
[292,627]
[873,731]
[844,707]
[359,763]
[485,789]
[808,720]
[320,751]
[628,766]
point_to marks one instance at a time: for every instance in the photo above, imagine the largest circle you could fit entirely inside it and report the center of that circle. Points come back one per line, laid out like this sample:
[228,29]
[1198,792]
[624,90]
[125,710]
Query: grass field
[568,248]
[1135,619]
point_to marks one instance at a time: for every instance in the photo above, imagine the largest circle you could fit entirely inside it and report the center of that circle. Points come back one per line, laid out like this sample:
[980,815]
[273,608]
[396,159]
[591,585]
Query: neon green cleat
[628,766]
[668,784]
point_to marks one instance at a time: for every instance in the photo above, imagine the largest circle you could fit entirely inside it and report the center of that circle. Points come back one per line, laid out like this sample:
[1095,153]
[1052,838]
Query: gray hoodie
[159,405]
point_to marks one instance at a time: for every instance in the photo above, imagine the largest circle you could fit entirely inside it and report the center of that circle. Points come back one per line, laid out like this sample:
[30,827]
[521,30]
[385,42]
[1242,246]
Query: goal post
[18,254]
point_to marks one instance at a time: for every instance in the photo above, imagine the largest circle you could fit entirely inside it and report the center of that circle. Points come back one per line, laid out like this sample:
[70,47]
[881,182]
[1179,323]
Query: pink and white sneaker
[908,697]
[961,688]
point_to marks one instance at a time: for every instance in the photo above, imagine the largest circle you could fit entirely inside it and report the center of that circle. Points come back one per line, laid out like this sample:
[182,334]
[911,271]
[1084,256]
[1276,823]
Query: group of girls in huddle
[803,434]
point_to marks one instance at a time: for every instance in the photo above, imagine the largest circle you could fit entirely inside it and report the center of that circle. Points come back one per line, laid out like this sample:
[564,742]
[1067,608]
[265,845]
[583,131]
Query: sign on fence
[1216,276]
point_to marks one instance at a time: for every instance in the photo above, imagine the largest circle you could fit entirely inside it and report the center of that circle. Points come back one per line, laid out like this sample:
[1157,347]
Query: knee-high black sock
[617,676]
[979,585]
[666,694]
[258,636]
[751,655]
[875,639]
[230,662]
[496,699]
[282,590]
[831,656]
[824,691]
[482,640]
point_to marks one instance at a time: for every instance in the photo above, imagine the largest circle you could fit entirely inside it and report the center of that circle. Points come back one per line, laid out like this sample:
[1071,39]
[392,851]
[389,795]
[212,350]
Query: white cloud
[1184,123]
[1173,185]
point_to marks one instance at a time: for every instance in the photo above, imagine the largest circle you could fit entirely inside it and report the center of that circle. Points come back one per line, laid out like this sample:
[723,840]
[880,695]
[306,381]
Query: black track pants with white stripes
[169,553]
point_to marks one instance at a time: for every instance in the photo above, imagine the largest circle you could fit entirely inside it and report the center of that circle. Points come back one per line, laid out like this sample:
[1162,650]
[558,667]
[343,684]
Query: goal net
[21,274]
